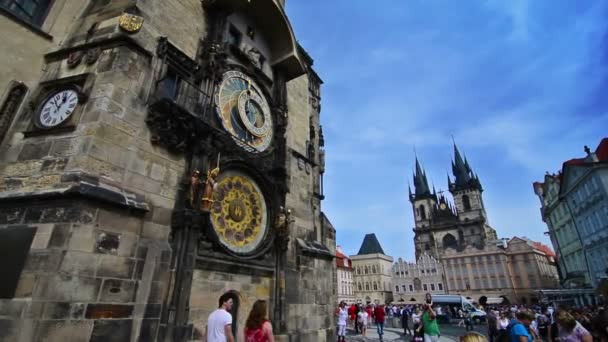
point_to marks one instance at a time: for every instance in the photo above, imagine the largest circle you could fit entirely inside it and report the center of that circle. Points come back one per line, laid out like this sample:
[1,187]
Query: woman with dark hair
[258,327]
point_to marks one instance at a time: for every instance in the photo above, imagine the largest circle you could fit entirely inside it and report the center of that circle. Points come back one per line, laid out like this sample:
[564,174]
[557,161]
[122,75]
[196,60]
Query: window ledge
[37,30]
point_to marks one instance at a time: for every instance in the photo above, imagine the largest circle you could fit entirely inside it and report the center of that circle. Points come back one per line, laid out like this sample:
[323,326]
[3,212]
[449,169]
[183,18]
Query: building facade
[572,261]
[155,155]
[574,204]
[475,262]
[516,269]
[345,277]
[411,281]
[372,273]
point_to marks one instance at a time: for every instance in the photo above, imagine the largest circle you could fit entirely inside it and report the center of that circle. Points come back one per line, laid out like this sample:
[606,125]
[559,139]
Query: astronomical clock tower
[167,153]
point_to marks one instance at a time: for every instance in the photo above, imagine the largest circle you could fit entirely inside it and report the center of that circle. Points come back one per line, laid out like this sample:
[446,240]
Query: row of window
[373,286]
[425,287]
[373,269]
[345,275]
[31,11]
[346,290]
[594,221]
[422,271]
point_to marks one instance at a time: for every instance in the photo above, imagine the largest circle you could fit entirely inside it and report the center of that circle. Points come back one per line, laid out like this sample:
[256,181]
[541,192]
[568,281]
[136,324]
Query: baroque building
[155,155]
[372,272]
[412,281]
[344,277]
[574,204]
[475,262]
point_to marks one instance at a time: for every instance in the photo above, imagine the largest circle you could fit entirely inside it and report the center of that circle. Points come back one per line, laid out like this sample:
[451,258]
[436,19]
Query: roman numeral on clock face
[58,108]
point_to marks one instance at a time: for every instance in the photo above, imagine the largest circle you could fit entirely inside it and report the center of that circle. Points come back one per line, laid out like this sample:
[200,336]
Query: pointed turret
[421,184]
[464,178]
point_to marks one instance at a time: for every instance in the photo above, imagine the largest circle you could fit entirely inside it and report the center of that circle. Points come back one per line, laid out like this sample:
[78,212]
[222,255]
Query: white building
[372,272]
[344,277]
[414,280]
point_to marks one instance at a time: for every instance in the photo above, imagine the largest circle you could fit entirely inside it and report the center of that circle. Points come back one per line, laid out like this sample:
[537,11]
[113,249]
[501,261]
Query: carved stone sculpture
[208,191]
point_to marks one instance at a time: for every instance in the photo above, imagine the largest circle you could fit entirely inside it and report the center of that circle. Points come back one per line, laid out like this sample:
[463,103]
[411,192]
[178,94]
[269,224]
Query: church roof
[370,245]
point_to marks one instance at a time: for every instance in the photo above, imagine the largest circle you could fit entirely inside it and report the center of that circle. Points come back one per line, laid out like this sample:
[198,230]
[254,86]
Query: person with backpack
[519,328]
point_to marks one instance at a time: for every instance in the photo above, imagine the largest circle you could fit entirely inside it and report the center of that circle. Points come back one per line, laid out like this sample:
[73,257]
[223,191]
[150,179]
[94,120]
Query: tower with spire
[466,190]
[441,225]
[422,199]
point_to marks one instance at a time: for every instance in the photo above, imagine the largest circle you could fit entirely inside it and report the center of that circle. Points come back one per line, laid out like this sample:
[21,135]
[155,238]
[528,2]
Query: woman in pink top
[258,327]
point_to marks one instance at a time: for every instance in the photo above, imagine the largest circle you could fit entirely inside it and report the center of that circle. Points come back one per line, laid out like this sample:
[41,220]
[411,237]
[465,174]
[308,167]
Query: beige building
[411,281]
[517,269]
[344,277]
[155,155]
[372,272]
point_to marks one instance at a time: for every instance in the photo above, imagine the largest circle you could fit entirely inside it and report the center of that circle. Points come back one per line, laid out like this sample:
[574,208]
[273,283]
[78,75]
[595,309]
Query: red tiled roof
[342,260]
[544,248]
[602,150]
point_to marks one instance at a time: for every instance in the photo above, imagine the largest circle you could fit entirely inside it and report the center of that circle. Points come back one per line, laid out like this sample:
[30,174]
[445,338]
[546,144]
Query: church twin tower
[439,225]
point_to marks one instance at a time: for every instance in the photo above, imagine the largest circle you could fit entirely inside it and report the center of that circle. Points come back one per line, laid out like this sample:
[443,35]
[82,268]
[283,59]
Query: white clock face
[57,108]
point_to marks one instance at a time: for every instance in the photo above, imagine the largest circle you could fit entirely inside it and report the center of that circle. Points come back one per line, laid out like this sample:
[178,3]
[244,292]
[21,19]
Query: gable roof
[370,245]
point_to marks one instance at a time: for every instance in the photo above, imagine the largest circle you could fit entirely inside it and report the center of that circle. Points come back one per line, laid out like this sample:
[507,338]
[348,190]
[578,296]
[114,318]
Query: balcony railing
[185,94]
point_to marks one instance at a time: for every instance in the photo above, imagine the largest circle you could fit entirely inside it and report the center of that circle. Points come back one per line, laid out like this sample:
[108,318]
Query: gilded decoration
[238,212]
[131,23]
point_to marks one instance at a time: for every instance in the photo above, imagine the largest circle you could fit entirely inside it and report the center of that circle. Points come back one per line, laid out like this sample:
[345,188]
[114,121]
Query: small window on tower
[440,286]
[422,212]
[466,202]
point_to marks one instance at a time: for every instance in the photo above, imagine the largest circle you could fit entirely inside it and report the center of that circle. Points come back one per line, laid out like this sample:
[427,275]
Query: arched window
[466,202]
[360,287]
[449,241]
[427,247]
[373,269]
[366,270]
[366,286]
[375,286]
[422,212]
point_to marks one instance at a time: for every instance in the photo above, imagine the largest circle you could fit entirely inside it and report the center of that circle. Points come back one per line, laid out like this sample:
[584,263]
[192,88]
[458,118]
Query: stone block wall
[208,286]
[89,269]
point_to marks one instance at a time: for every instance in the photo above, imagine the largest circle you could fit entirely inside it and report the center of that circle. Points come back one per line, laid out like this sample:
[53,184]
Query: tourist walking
[492,321]
[405,321]
[363,317]
[429,321]
[520,327]
[219,323]
[258,327]
[342,316]
[379,314]
[570,330]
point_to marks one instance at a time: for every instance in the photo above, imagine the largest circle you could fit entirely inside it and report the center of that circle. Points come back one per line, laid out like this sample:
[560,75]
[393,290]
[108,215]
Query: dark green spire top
[370,245]
[464,178]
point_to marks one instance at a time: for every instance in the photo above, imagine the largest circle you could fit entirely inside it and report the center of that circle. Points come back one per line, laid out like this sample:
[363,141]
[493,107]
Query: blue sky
[522,85]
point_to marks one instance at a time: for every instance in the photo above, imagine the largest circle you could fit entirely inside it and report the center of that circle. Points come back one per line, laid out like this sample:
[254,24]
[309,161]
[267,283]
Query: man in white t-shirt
[219,323]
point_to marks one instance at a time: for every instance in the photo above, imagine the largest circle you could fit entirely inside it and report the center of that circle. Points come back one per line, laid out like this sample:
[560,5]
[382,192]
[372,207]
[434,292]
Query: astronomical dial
[238,213]
[244,111]
[57,108]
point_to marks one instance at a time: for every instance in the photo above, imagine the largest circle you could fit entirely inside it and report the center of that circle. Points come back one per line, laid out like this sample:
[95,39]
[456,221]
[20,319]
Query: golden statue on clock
[238,213]
[244,112]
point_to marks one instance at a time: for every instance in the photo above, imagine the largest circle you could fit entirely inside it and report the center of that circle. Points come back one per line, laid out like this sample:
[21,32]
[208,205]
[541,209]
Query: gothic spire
[421,185]
[464,177]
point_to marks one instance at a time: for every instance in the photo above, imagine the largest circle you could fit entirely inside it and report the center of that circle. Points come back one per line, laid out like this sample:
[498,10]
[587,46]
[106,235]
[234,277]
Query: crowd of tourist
[533,323]
[546,323]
